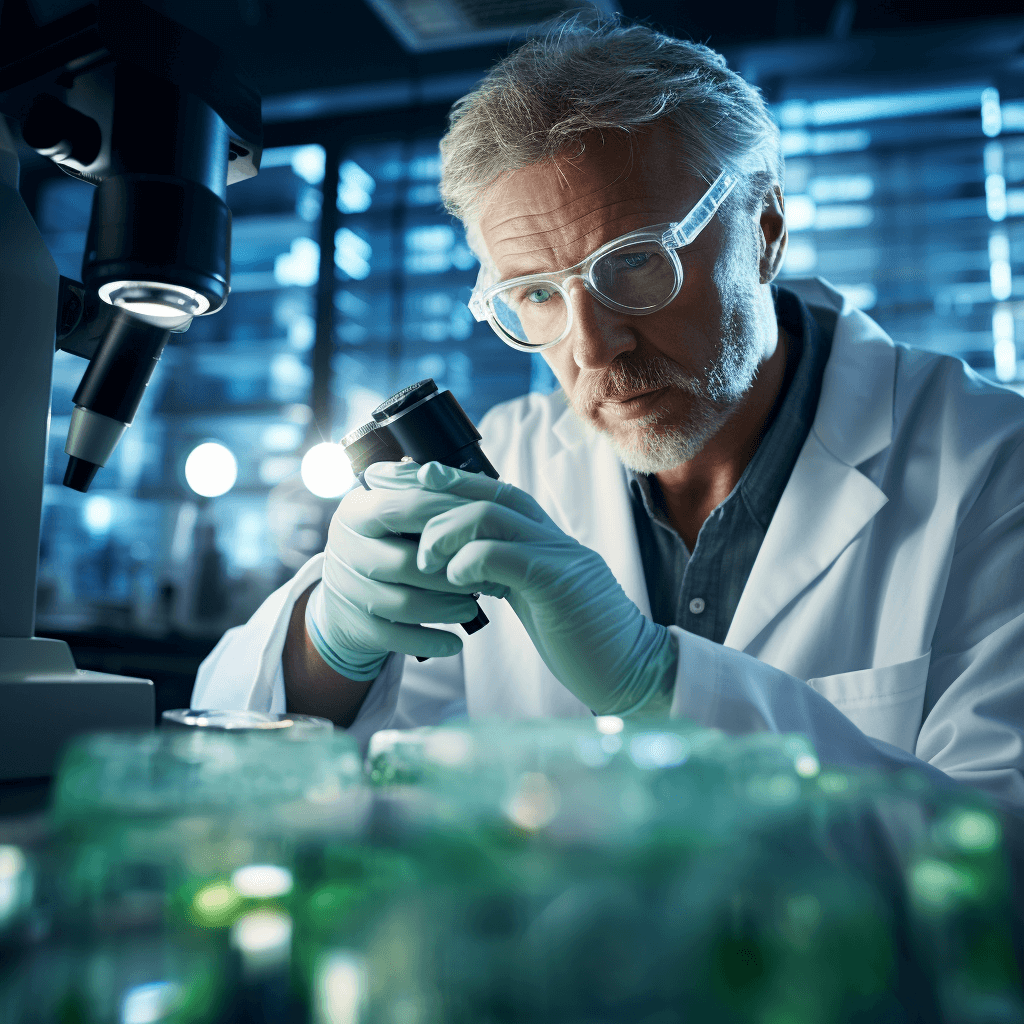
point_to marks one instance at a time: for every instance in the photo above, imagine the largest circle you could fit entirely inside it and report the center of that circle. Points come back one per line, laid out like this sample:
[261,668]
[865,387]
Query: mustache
[626,378]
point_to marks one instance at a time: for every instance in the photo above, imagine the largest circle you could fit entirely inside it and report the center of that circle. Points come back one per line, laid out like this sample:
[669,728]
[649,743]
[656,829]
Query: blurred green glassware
[174,870]
[550,872]
[599,870]
[174,771]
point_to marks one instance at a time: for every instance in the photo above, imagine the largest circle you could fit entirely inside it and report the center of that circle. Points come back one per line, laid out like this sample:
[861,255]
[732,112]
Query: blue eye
[539,295]
[636,259]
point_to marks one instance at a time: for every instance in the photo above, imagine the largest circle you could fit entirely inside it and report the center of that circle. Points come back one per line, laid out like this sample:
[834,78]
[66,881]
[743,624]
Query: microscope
[160,121]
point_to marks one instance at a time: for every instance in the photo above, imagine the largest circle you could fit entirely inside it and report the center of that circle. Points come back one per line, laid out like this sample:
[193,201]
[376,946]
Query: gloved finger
[395,602]
[362,632]
[477,487]
[390,559]
[494,563]
[381,513]
[449,531]
[422,641]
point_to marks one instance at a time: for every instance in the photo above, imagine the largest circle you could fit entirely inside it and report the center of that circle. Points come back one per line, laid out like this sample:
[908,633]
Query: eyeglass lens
[638,276]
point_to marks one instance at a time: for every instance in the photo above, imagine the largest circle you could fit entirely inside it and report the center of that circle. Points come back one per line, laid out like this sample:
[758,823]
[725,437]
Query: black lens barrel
[431,426]
[117,376]
[369,444]
[158,228]
[161,216]
[423,425]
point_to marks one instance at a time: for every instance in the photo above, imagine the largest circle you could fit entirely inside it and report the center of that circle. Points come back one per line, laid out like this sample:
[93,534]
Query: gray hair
[540,100]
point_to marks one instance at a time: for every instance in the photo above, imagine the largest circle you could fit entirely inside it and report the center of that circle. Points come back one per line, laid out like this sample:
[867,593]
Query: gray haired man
[745,505]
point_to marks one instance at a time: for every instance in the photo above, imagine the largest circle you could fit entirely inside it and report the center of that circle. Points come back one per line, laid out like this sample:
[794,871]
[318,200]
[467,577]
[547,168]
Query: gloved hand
[592,637]
[372,597]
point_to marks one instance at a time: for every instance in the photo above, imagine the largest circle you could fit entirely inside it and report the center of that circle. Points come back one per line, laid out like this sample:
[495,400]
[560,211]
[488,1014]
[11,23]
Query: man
[745,506]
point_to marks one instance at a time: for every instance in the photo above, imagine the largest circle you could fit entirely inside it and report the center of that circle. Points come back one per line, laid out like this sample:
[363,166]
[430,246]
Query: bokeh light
[326,471]
[145,1004]
[98,513]
[211,469]
[262,881]
[263,938]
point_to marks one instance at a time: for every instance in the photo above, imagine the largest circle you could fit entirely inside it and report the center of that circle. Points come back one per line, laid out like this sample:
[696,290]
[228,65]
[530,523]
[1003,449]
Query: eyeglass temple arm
[697,219]
[483,280]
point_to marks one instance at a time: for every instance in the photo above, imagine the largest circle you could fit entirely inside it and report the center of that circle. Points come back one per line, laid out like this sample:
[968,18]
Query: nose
[598,334]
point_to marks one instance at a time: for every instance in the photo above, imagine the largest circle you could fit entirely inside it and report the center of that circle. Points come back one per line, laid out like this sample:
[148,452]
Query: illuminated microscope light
[153,298]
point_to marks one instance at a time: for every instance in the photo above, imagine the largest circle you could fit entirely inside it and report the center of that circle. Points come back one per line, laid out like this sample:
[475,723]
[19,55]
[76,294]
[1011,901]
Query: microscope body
[161,121]
[44,699]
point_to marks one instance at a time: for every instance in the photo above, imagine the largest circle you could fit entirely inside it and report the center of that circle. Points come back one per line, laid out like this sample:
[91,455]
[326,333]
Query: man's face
[660,386]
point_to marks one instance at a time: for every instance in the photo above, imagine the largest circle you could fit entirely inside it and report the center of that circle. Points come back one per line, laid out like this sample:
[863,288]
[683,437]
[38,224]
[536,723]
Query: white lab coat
[883,617]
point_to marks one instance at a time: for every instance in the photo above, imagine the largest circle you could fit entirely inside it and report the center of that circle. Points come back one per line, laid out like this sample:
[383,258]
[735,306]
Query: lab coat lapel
[587,488]
[827,500]
[824,506]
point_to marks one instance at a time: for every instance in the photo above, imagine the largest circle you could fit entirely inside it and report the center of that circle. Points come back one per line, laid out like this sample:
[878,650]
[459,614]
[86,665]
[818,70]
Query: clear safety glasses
[638,273]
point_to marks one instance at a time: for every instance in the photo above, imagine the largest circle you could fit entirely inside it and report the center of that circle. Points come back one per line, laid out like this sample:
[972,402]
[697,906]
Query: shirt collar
[789,423]
[765,476]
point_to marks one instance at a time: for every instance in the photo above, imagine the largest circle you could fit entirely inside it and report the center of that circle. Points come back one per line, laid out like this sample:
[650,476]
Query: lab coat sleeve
[973,724]
[244,672]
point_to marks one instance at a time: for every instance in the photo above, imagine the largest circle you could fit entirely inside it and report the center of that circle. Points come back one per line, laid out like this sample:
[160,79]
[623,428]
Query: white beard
[648,446]
[651,449]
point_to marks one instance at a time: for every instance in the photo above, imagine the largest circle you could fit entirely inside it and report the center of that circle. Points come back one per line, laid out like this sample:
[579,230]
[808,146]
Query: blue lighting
[850,110]
[300,265]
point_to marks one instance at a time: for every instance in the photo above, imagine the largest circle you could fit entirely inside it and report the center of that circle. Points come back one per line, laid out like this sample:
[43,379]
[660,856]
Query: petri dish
[241,721]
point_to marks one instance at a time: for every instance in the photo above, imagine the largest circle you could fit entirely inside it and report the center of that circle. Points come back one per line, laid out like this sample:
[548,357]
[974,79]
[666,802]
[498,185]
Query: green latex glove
[592,637]
[372,597]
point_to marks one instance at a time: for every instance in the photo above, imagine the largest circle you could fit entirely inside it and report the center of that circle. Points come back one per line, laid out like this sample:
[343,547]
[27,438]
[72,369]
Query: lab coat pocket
[886,703]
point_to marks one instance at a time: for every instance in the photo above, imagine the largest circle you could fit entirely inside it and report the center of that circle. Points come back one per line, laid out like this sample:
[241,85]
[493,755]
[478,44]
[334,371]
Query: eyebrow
[522,257]
[518,272]
[511,220]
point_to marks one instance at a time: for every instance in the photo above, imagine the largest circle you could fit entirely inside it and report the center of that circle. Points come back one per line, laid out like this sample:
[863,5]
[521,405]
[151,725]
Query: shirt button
[697,605]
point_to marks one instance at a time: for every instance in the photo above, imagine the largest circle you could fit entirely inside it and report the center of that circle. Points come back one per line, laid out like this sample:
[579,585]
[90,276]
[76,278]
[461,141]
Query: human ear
[774,234]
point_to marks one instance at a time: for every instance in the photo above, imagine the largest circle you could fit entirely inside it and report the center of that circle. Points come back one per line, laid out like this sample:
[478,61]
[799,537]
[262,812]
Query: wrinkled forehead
[554,213]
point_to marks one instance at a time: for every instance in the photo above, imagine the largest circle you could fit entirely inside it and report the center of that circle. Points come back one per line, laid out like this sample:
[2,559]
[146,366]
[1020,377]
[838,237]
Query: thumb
[393,476]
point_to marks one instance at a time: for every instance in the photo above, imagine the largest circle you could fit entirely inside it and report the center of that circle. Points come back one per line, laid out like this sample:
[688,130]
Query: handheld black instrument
[420,424]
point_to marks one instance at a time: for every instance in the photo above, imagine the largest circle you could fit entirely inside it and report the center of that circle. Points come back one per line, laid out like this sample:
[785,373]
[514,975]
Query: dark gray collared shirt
[700,590]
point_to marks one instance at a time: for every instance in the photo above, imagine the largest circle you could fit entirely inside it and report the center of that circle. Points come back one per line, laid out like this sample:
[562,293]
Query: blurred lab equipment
[160,122]
[203,764]
[543,871]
